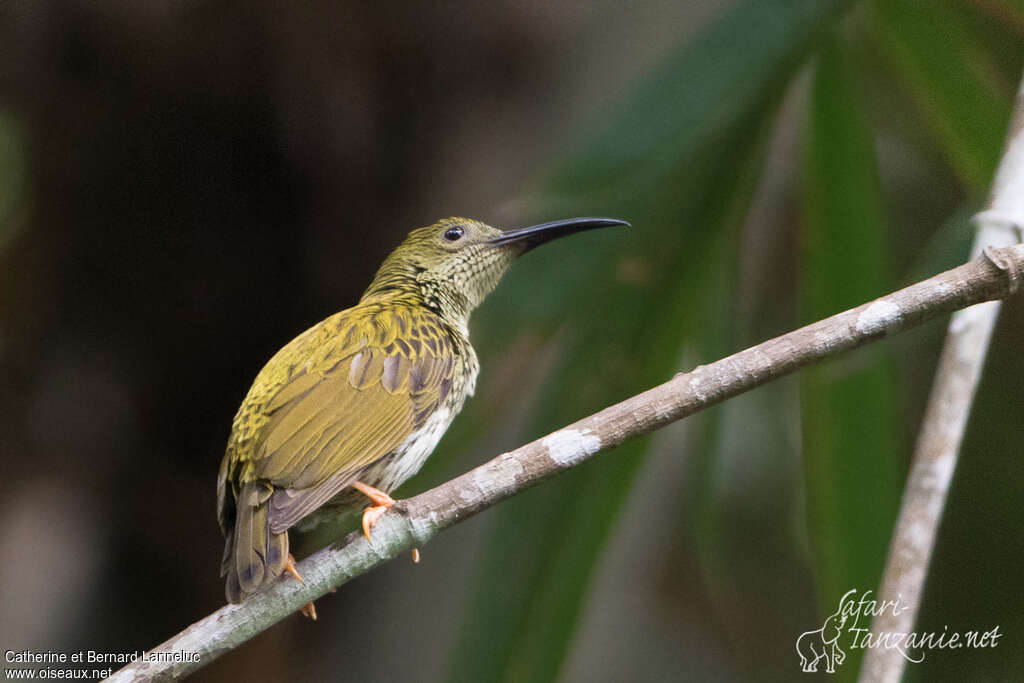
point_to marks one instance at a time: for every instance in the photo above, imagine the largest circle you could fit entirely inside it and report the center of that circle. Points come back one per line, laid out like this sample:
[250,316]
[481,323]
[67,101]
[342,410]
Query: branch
[942,431]
[413,522]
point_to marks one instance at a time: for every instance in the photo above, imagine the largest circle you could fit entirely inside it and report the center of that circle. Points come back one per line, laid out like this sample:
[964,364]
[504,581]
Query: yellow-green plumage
[364,395]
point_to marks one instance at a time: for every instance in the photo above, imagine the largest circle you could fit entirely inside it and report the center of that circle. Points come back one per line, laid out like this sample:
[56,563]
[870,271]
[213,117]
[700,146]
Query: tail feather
[253,555]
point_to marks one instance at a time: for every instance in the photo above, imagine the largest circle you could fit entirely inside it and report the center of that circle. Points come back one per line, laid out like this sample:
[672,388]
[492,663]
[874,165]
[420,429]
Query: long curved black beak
[536,235]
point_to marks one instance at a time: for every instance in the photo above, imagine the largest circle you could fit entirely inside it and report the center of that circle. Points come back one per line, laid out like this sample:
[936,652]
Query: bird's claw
[370,517]
[309,609]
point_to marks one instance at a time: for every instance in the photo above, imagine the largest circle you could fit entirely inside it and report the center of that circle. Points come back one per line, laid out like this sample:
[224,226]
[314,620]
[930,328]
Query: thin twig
[413,522]
[942,431]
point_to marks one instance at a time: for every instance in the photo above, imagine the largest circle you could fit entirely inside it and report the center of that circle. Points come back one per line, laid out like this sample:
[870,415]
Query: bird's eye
[454,233]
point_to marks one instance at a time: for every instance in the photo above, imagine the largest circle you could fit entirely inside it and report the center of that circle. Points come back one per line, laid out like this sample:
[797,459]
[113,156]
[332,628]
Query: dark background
[184,186]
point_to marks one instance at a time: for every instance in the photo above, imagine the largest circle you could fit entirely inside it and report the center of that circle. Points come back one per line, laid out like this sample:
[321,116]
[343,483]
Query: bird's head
[452,265]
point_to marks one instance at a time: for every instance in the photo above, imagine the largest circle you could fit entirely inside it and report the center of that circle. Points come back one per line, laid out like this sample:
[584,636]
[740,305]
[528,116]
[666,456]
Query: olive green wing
[348,400]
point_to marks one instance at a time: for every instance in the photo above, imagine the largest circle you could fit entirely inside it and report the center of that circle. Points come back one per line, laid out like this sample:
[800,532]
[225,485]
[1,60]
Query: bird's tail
[253,555]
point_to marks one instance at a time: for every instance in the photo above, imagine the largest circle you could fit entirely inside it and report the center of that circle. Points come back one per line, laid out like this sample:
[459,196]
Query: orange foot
[309,609]
[382,502]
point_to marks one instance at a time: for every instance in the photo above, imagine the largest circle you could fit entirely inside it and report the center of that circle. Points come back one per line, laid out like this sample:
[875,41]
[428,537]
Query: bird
[351,408]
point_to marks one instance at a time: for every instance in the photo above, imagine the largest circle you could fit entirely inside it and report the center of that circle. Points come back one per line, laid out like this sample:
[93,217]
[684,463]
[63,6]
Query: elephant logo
[822,644]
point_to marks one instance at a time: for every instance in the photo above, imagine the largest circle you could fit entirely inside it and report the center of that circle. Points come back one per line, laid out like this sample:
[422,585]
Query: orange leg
[309,609]
[382,502]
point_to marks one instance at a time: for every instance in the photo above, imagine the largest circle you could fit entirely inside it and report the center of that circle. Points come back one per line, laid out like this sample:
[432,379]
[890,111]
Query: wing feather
[343,395]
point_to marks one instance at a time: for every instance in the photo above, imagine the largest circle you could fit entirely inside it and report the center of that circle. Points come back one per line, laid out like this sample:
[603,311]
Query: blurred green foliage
[850,444]
[946,69]
[672,161]
[681,158]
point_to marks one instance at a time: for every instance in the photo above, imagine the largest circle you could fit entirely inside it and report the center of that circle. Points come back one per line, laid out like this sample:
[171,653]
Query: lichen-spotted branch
[413,522]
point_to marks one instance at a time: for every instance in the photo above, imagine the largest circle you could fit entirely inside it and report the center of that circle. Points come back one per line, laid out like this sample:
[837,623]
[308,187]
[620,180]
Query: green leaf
[933,50]
[852,452]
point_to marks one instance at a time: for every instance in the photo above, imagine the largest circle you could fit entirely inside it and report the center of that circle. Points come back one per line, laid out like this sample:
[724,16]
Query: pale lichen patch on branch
[880,316]
[499,476]
[695,385]
[567,447]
